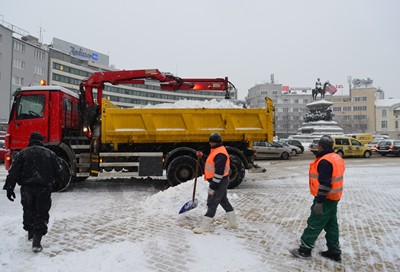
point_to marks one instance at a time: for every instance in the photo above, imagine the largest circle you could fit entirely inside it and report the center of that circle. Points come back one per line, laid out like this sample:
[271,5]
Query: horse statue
[320,91]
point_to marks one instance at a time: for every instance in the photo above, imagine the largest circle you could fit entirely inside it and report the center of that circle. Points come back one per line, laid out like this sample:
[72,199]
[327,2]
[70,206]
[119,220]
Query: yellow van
[349,147]
[364,138]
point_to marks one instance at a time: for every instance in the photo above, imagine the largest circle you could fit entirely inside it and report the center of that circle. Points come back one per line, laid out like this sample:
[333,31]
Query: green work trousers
[317,223]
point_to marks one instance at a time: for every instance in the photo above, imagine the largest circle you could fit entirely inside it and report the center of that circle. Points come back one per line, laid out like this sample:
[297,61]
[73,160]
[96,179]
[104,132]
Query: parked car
[313,147]
[350,147]
[389,146]
[295,143]
[363,138]
[373,145]
[271,150]
[2,152]
[295,150]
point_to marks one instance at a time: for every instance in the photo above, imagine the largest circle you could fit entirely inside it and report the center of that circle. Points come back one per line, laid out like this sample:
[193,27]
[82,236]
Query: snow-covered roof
[387,102]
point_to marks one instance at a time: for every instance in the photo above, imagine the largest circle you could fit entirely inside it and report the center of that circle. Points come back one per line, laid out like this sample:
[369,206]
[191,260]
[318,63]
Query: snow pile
[170,201]
[196,104]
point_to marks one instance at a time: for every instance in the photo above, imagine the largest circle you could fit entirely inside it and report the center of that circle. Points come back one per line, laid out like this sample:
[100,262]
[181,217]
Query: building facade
[388,117]
[355,113]
[24,61]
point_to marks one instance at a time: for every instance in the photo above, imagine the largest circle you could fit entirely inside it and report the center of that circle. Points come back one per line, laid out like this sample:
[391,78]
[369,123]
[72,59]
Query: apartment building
[355,113]
[23,62]
[388,117]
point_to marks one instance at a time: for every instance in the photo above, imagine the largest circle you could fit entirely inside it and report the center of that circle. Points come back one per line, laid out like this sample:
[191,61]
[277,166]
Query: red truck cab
[52,111]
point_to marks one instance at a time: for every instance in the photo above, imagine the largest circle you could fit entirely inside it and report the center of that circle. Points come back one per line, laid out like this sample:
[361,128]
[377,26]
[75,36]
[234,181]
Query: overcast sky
[296,40]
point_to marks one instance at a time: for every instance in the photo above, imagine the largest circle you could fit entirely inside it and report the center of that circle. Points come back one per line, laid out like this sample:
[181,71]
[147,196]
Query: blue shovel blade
[188,206]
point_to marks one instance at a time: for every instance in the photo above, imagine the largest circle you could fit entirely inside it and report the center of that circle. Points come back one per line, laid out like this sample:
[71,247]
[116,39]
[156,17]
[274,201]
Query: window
[384,113]
[355,142]
[19,81]
[39,54]
[360,99]
[346,108]
[339,109]
[19,64]
[359,108]
[383,124]
[396,124]
[39,70]
[30,106]
[19,46]
[359,117]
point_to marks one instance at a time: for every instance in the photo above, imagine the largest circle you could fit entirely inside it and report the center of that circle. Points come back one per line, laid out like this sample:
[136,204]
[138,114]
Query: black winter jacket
[34,165]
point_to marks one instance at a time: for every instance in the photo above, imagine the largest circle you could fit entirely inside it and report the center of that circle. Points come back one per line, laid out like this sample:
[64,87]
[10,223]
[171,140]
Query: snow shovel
[191,204]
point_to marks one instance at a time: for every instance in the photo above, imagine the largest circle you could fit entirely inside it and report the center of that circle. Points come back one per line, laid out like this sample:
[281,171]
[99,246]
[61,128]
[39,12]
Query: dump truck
[94,136]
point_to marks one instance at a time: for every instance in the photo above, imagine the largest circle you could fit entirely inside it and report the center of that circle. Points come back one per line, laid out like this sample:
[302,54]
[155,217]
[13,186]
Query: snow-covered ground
[134,225]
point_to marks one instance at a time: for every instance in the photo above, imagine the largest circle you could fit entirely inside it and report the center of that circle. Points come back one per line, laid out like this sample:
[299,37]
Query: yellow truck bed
[156,125]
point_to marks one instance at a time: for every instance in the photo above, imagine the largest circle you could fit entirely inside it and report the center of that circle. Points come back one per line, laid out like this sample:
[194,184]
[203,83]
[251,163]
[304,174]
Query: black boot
[331,255]
[36,246]
[30,235]
[301,253]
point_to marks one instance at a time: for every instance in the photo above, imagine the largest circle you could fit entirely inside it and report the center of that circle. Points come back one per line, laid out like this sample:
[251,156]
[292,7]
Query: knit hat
[326,142]
[215,138]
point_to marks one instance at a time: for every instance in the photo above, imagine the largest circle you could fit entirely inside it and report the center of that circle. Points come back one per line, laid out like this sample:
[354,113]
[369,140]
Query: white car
[271,150]
[295,149]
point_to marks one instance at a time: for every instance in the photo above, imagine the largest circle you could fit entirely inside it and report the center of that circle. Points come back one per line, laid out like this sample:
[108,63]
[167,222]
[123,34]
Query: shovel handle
[196,172]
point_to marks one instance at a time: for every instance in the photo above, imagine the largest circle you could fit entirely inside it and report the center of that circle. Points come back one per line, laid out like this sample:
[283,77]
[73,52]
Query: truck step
[75,147]
[118,164]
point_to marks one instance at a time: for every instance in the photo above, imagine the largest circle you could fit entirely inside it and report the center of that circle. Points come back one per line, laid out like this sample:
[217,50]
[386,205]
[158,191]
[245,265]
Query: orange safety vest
[210,166]
[337,176]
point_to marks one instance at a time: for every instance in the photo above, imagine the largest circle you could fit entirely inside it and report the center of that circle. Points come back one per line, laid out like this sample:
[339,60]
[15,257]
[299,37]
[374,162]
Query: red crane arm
[167,82]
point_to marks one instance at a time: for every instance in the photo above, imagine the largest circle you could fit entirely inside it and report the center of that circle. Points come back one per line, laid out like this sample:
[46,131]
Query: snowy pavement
[135,226]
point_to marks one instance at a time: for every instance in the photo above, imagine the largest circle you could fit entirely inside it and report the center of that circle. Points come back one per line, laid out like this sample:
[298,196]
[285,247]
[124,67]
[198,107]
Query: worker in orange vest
[326,185]
[216,172]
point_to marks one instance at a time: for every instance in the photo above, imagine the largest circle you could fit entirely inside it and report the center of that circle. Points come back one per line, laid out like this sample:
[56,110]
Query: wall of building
[355,113]
[388,117]
[25,62]
[5,72]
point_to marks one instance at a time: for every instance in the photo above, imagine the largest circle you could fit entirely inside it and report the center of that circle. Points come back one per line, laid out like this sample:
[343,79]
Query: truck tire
[63,181]
[181,169]
[237,172]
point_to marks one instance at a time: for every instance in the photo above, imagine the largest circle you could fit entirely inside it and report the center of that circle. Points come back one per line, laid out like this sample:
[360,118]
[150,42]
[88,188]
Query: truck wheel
[181,169]
[63,182]
[237,172]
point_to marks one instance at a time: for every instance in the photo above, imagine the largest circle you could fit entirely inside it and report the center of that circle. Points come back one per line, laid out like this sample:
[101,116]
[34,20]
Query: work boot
[331,255]
[30,235]
[204,226]
[301,253]
[232,223]
[36,246]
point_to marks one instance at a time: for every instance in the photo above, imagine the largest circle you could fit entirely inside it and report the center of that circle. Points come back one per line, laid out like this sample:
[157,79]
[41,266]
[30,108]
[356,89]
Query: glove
[210,192]
[199,154]
[10,194]
[318,208]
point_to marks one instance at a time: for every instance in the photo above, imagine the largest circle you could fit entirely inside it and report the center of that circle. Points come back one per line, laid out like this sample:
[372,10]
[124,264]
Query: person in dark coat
[35,169]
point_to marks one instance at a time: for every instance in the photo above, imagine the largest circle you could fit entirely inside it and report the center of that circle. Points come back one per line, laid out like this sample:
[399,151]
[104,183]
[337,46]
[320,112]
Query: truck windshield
[31,106]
